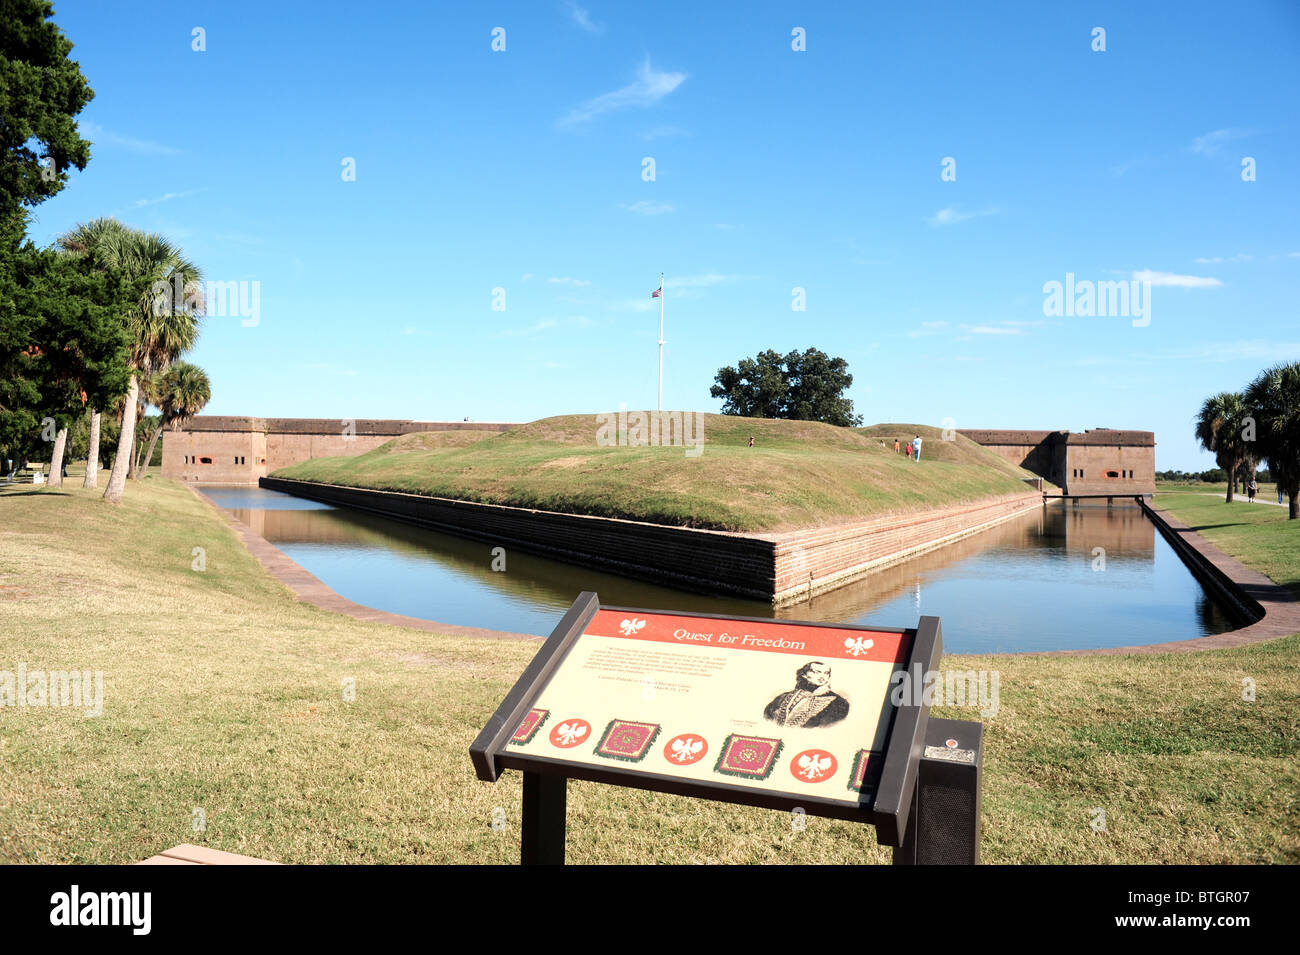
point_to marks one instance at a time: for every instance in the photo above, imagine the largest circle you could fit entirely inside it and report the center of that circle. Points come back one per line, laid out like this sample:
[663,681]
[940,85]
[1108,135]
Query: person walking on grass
[896,446]
[751,440]
[1251,489]
[916,448]
[1279,492]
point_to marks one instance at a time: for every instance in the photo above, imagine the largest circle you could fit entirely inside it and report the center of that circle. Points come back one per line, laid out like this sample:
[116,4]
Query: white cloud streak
[649,87]
[1171,280]
[582,18]
[952,215]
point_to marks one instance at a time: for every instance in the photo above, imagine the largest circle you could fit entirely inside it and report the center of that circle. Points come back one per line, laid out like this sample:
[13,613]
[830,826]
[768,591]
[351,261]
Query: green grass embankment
[1259,534]
[798,474]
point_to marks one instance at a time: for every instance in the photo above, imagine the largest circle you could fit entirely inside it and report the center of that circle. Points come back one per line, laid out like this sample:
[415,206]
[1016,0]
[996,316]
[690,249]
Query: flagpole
[661,341]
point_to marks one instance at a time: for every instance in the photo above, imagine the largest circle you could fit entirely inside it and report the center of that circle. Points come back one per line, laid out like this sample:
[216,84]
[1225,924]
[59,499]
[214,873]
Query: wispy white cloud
[991,330]
[1219,259]
[952,215]
[100,136]
[649,87]
[166,197]
[566,280]
[1175,281]
[582,18]
[1211,143]
[649,207]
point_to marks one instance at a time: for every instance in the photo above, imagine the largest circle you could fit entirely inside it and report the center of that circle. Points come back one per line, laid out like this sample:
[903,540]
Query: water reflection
[1063,577]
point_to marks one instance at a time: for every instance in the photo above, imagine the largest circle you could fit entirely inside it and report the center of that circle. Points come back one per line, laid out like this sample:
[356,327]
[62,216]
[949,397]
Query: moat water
[1037,582]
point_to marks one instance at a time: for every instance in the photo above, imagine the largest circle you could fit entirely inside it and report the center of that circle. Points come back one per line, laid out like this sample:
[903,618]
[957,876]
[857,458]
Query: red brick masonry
[780,567]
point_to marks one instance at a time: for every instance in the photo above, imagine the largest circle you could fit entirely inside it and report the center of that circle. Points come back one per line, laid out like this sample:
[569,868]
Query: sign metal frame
[887,808]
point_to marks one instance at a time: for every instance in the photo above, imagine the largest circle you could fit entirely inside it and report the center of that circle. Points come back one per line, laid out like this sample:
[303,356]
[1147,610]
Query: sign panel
[799,710]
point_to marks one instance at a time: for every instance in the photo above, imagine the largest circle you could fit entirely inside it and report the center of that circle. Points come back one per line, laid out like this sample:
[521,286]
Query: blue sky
[775,169]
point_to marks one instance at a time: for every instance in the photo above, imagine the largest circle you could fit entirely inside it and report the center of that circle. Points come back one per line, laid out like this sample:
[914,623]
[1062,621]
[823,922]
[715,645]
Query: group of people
[912,449]
[1253,488]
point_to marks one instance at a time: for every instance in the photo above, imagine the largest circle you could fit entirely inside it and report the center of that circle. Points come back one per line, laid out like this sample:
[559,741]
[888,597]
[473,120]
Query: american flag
[657,293]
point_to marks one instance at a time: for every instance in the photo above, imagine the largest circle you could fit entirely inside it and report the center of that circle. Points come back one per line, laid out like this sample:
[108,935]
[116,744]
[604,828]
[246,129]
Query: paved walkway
[1238,500]
[187,854]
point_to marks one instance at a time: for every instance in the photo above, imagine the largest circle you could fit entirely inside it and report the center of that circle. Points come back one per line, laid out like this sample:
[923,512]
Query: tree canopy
[41,92]
[1222,430]
[62,340]
[801,386]
[1273,398]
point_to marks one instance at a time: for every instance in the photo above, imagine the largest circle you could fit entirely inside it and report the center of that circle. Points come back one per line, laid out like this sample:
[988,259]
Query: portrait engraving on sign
[787,708]
[812,702]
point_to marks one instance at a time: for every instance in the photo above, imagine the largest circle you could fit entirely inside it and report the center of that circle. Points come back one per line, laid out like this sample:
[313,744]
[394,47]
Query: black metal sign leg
[544,819]
[943,827]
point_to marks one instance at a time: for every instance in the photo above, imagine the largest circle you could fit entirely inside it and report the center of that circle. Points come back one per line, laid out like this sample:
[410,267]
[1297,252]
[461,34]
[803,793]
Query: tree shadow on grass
[7,493]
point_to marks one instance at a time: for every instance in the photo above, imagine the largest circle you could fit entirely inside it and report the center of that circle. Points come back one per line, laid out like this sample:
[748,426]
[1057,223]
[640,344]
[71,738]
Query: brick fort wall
[222,449]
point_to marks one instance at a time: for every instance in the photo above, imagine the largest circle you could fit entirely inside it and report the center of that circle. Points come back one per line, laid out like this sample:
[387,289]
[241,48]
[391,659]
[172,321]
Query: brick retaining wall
[781,567]
[820,559]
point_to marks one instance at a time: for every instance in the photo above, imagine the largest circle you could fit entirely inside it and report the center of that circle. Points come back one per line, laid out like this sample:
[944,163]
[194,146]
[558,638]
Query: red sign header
[764,637]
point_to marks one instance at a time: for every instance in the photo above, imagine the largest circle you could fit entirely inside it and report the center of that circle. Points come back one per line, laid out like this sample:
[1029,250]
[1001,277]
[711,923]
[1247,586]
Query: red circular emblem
[951,744]
[569,733]
[685,749]
[813,766]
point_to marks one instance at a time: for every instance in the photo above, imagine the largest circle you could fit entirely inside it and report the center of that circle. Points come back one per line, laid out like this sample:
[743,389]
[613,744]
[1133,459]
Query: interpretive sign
[769,713]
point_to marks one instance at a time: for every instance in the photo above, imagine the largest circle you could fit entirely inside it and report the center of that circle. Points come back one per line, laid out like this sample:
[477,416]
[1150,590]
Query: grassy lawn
[1259,534]
[798,474]
[222,692]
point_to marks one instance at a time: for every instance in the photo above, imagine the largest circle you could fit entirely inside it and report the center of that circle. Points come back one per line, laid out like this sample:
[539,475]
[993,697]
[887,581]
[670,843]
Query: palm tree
[180,393]
[1219,427]
[1274,400]
[87,240]
[149,385]
[164,323]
